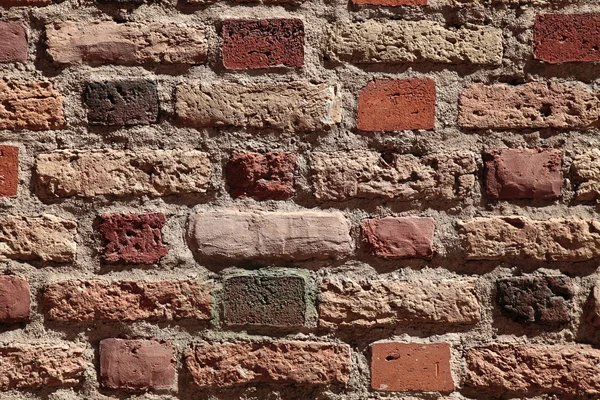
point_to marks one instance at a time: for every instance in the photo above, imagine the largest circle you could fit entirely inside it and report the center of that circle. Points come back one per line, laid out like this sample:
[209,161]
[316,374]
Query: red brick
[394,105]
[391,3]
[560,38]
[263,177]
[263,43]
[9,171]
[523,173]
[24,3]
[15,299]
[133,238]
[404,237]
[13,42]
[400,367]
[136,365]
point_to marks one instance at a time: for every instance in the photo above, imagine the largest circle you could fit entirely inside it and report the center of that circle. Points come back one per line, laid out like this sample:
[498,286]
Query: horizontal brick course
[33,105]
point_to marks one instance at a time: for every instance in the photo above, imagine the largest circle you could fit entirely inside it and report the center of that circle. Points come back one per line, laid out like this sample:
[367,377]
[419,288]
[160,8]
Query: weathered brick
[31,105]
[45,238]
[515,237]
[401,367]
[263,43]
[131,43]
[585,174]
[9,171]
[301,235]
[523,173]
[24,3]
[263,177]
[297,105]
[15,299]
[368,303]
[127,301]
[535,299]
[291,362]
[560,38]
[404,237]
[136,365]
[532,105]
[414,41]
[133,238]
[534,368]
[122,102]
[35,366]
[403,177]
[13,42]
[391,3]
[395,105]
[117,173]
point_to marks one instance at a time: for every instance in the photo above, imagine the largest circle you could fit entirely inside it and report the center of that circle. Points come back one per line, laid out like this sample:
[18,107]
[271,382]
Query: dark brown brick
[399,237]
[13,42]
[15,299]
[560,38]
[9,171]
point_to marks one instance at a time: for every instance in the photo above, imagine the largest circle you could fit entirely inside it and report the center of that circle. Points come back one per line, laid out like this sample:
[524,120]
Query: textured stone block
[15,299]
[560,38]
[13,42]
[33,105]
[585,173]
[592,306]
[403,237]
[9,171]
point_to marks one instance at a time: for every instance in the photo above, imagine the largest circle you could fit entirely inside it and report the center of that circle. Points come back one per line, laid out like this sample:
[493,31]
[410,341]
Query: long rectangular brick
[291,362]
[585,174]
[403,177]
[399,237]
[129,43]
[301,235]
[350,303]
[24,3]
[15,299]
[31,105]
[127,300]
[515,237]
[561,38]
[297,105]
[413,42]
[67,173]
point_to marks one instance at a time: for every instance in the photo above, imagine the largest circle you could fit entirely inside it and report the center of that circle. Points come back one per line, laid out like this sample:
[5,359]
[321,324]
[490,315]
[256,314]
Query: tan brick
[349,303]
[297,105]
[117,173]
[414,41]
[585,171]
[404,177]
[31,105]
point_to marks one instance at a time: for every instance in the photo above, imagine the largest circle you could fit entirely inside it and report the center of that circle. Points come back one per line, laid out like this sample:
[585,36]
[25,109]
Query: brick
[131,43]
[289,362]
[515,237]
[154,173]
[36,366]
[370,303]
[404,237]
[13,42]
[9,171]
[264,300]
[15,299]
[532,105]
[299,236]
[299,106]
[592,306]
[401,367]
[24,3]
[264,43]
[542,300]
[560,38]
[133,238]
[534,368]
[523,173]
[33,105]
[585,174]
[395,105]
[345,175]
[122,102]
[391,3]
[251,2]
[267,176]
[136,365]
[94,300]
[414,42]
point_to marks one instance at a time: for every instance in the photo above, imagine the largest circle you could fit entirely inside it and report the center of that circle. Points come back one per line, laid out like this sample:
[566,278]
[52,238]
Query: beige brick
[31,105]
[585,171]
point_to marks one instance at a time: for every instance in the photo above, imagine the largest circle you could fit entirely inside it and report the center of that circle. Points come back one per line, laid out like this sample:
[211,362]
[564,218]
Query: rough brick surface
[592,306]
[132,43]
[33,105]
[560,38]
[263,177]
[15,299]
[9,171]
[122,102]
[13,42]
[514,237]
[297,105]
[292,362]
[128,300]
[404,177]
[585,172]
[401,367]
[133,238]
[414,41]
[403,237]
[263,43]
[391,3]
[301,235]
[348,303]
[122,173]
[532,105]
[136,365]
[394,105]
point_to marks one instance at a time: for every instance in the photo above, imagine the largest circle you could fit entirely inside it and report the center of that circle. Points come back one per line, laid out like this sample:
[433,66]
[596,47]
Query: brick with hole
[9,171]
[13,42]
[399,237]
[562,38]
[15,299]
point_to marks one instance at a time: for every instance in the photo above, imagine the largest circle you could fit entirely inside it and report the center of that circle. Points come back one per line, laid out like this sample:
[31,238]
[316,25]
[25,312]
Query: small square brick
[9,171]
[133,238]
[13,42]
[15,299]
[403,237]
